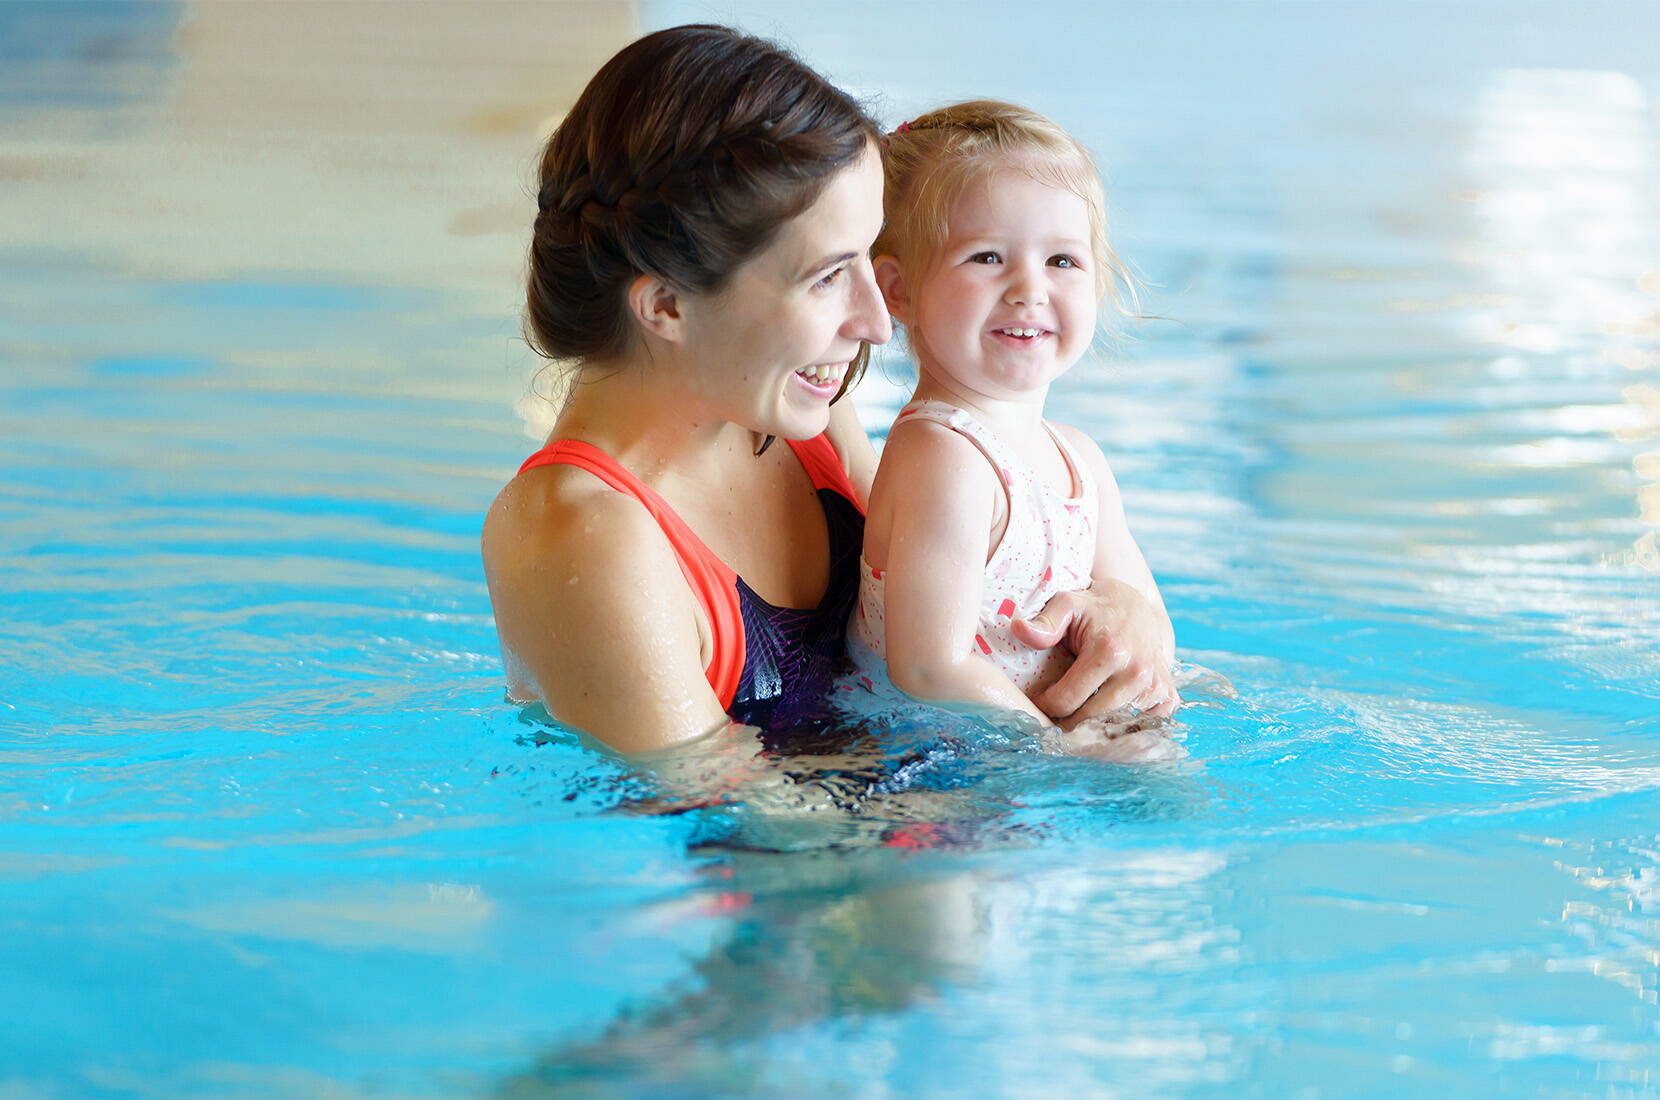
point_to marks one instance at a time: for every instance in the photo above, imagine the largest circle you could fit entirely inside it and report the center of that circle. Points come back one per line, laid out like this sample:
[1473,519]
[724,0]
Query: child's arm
[1117,557]
[930,527]
[1120,573]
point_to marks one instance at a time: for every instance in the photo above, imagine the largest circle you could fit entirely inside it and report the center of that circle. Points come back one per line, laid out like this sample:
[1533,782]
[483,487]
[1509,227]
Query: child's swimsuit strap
[988,441]
[712,581]
[1008,466]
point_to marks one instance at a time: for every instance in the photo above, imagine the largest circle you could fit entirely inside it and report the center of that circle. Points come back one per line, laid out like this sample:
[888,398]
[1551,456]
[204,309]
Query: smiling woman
[703,259]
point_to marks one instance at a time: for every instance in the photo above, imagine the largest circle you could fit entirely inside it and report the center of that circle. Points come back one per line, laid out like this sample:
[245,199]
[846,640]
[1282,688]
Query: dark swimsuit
[771,665]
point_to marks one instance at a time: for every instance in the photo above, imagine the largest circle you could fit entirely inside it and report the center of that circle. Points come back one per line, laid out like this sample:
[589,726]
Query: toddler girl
[994,258]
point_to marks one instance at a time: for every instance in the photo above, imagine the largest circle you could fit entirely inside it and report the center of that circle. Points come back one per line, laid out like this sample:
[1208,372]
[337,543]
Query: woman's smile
[823,379]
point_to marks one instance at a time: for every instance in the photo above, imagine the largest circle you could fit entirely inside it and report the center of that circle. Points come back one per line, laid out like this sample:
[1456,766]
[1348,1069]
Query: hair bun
[681,158]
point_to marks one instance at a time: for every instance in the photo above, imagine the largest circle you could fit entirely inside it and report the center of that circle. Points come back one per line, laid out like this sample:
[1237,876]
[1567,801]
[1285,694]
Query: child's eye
[1063,261]
[985,258]
[830,278]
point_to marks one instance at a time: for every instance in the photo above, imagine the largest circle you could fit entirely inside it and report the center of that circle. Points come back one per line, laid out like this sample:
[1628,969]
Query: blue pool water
[268,829]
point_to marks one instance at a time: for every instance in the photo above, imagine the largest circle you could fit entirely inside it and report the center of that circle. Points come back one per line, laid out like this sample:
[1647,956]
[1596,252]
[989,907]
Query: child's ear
[656,307]
[890,279]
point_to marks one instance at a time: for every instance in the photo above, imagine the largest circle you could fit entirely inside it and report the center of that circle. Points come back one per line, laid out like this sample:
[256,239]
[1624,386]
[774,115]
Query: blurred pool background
[267,827]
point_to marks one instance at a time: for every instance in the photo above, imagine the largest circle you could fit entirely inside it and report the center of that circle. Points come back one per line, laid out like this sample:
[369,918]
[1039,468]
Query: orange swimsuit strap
[712,581]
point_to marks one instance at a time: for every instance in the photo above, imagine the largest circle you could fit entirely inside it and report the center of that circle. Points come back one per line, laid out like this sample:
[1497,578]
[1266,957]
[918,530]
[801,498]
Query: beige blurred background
[290,126]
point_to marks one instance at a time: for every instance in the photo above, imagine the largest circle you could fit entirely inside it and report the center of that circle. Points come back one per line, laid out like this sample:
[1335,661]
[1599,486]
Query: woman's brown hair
[682,158]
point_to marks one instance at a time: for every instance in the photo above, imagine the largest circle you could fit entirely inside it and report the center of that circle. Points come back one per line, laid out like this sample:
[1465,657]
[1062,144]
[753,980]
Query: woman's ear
[656,307]
[890,279]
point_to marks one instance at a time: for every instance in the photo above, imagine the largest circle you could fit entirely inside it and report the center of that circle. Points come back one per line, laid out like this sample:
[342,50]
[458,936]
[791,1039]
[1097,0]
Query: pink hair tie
[902,128]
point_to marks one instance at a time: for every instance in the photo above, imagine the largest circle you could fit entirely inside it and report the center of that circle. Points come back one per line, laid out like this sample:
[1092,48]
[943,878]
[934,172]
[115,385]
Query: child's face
[1011,302]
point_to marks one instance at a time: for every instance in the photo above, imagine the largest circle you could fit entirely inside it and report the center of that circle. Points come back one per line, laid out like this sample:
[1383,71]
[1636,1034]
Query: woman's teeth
[1023,333]
[824,373]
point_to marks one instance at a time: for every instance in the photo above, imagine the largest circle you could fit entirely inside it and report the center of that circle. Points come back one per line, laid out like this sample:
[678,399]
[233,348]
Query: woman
[701,253]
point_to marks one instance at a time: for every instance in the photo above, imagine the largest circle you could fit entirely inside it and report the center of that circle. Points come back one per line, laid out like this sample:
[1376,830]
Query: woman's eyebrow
[828,261]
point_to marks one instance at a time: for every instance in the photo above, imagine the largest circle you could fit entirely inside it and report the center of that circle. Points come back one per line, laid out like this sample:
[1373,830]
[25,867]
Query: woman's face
[770,350]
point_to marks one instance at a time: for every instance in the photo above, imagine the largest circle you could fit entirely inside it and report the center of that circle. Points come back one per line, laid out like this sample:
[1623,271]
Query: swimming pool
[268,829]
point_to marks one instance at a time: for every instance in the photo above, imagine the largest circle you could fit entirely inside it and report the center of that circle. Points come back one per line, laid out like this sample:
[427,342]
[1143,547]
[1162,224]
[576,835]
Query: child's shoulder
[930,454]
[1080,442]
[930,434]
[1088,451]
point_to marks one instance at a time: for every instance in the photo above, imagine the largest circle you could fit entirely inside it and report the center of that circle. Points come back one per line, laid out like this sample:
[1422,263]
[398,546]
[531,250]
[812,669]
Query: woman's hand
[1121,644]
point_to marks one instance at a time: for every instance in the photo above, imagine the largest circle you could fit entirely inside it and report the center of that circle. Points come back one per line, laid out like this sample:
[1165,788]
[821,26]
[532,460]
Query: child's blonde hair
[929,162]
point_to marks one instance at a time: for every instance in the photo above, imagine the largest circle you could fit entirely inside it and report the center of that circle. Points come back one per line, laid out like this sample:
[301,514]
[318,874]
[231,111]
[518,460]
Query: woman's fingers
[1161,706]
[1160,698]
[1082,683]
[1121,689]
[1116,661]
[1078,620]
[1046,629]
[1131,684]
[1117,692]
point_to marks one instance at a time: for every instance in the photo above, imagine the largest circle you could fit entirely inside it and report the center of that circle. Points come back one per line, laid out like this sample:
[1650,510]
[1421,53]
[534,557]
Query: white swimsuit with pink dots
[1047,547]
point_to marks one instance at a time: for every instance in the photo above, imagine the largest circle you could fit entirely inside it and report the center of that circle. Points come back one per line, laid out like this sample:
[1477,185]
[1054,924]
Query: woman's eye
[985,258]
[830,278]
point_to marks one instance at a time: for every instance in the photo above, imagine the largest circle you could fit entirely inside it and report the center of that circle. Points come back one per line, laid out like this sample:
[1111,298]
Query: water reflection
[1043,973]
[862,878]
[811,940]
[1616,916]
[1564,162]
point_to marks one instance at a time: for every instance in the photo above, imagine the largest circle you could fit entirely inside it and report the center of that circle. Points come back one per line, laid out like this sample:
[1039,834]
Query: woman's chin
[801,417]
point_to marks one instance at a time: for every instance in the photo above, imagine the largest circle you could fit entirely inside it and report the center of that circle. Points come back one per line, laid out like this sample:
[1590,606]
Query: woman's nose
[868,319]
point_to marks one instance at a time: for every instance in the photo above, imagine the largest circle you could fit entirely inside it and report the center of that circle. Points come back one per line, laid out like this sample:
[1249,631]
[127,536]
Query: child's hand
[1117,638]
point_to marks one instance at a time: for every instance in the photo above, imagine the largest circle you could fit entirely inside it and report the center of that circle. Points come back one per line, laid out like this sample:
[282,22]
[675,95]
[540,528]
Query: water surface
[267,827]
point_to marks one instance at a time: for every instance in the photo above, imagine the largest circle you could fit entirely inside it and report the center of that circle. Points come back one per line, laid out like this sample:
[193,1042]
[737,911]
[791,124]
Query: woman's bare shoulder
[541,501]
[561,517]
[592,611]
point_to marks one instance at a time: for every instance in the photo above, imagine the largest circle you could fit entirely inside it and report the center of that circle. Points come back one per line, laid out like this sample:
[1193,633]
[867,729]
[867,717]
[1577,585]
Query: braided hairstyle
[929,162]
[682,158]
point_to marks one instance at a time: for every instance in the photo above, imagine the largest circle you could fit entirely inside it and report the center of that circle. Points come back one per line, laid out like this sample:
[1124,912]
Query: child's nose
[1026,288]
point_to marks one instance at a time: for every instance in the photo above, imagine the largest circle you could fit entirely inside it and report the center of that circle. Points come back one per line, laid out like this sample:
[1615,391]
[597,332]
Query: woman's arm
[932,511]
[593,614]
[848,436]
[1119,629]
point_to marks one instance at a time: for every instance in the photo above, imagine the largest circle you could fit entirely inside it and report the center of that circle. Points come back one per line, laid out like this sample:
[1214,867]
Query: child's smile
[1021,337]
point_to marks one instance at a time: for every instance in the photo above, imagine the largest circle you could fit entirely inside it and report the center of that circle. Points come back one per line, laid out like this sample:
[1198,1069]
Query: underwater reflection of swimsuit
[770,663]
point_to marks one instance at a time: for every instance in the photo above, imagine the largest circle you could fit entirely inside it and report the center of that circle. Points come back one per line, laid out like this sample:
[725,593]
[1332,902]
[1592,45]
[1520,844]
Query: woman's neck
[654,430]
